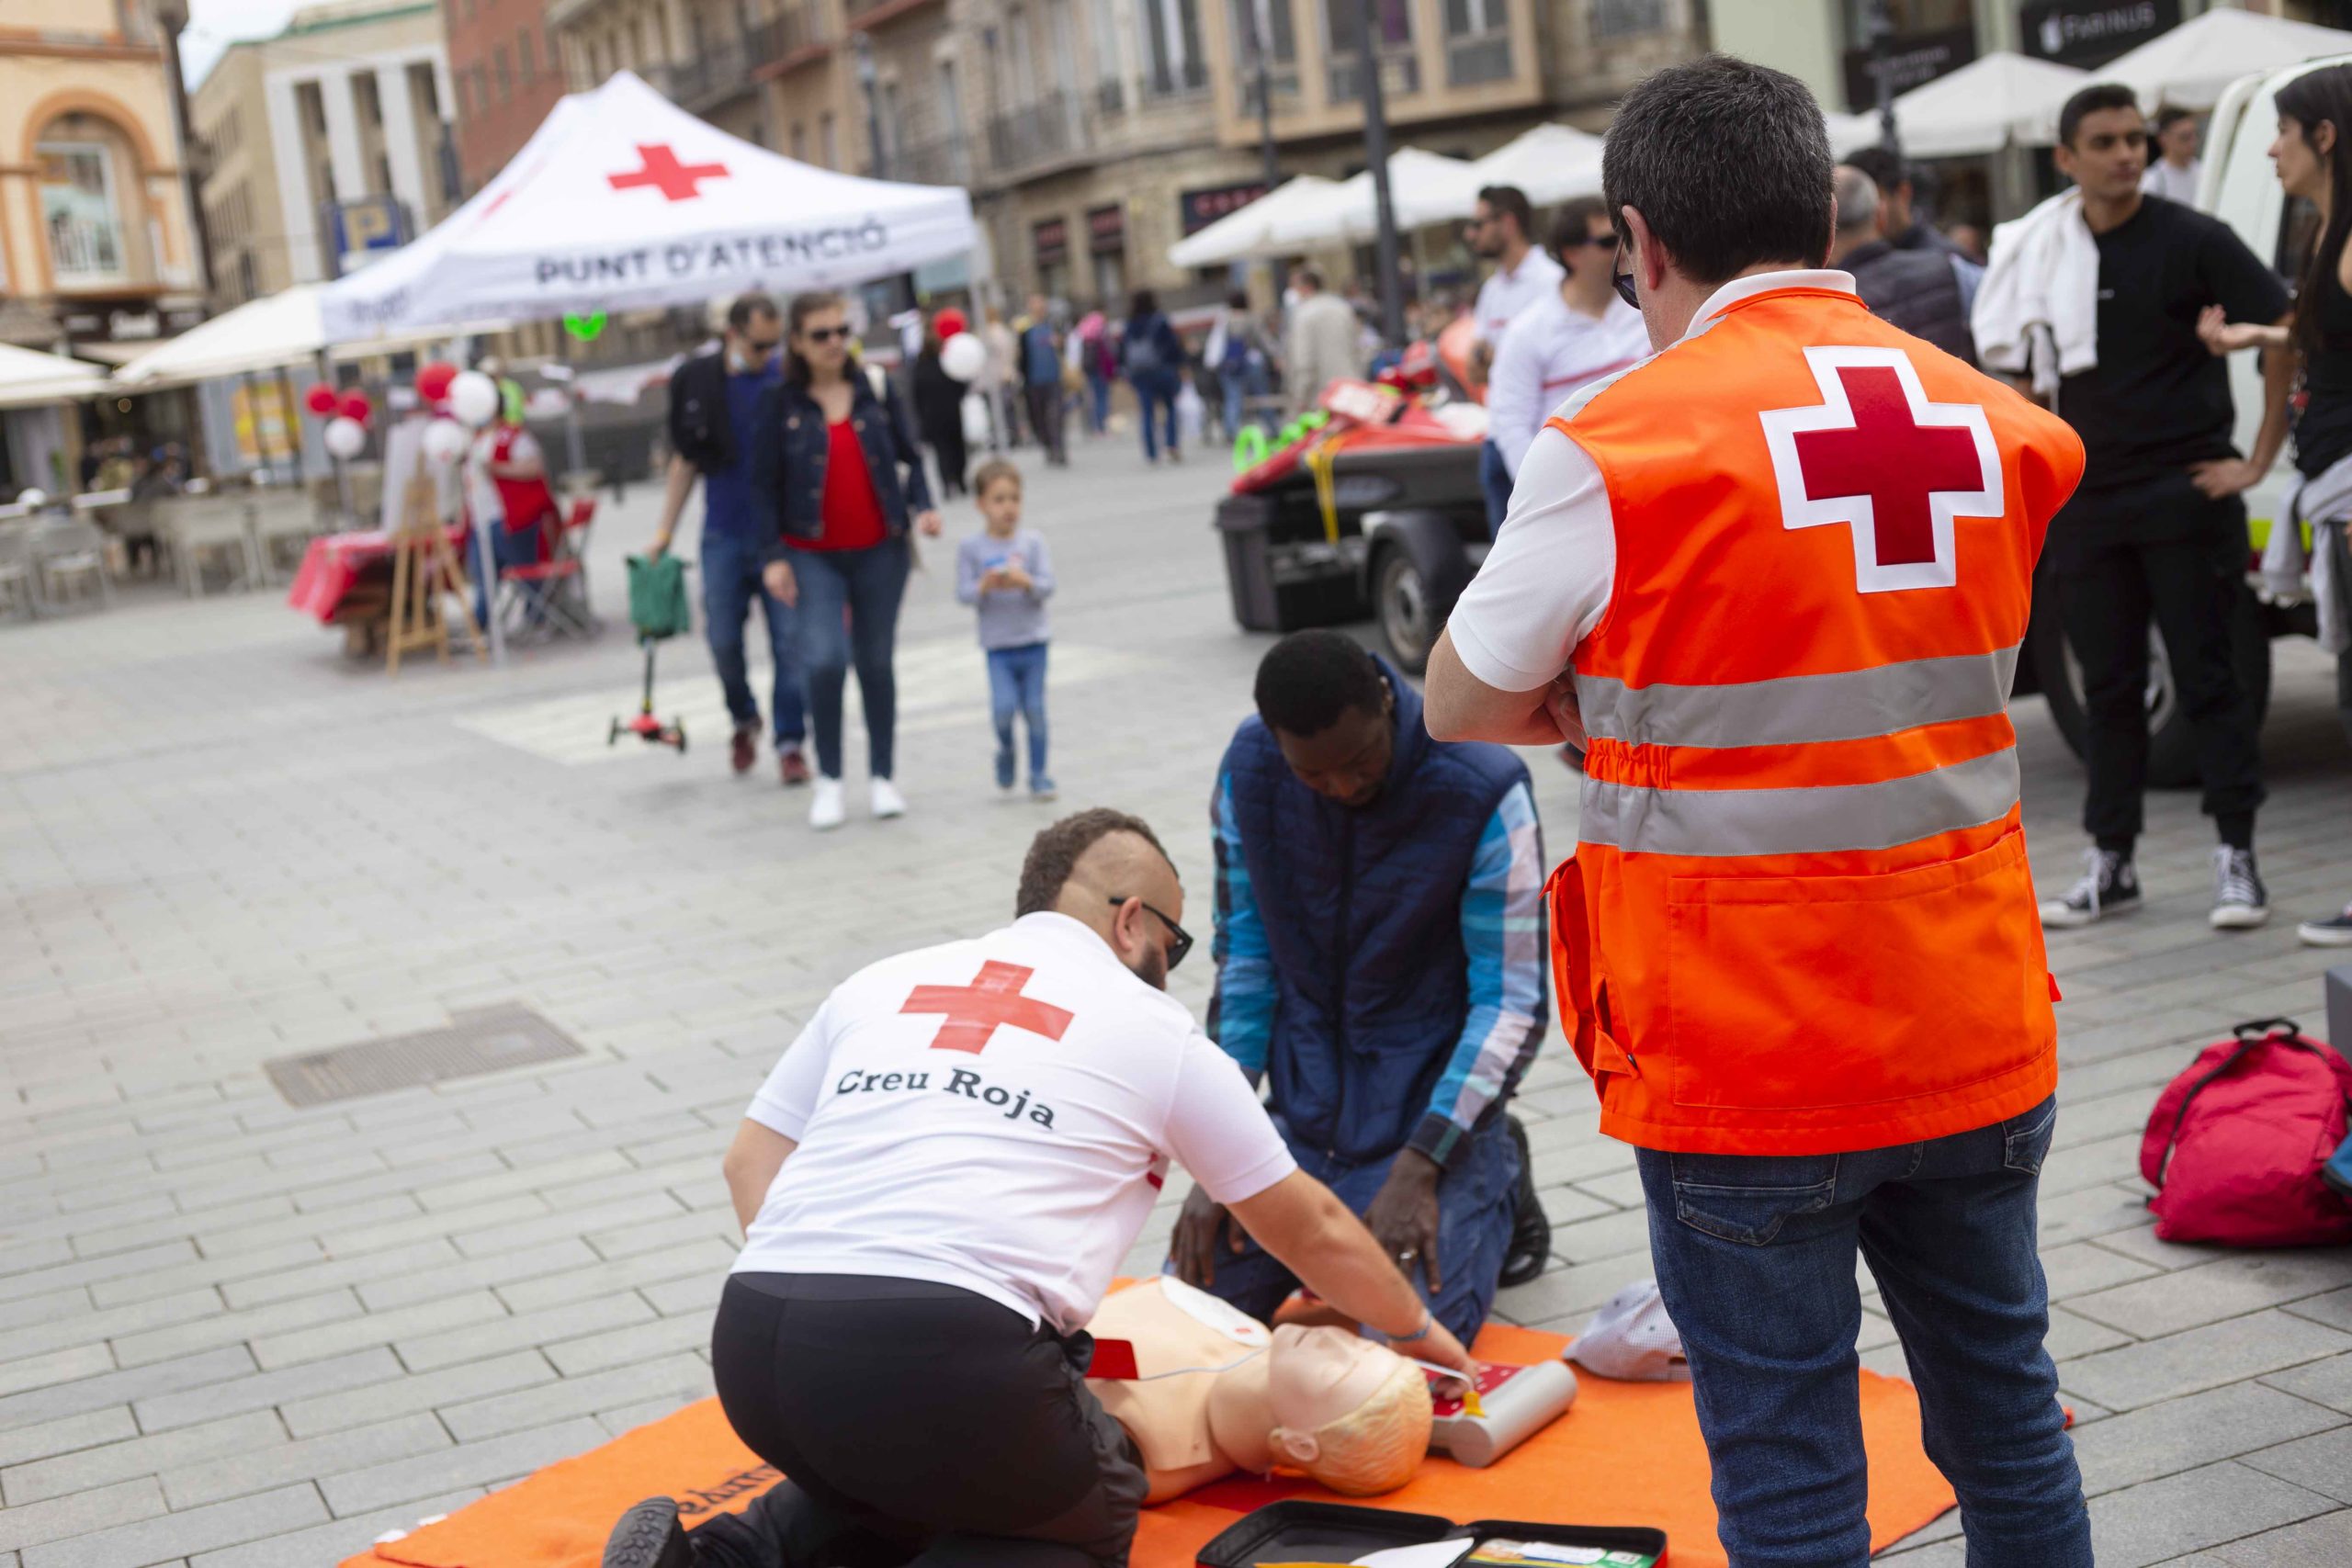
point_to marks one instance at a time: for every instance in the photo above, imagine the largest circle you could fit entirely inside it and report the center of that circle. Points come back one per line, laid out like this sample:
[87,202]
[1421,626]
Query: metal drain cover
[487,1040]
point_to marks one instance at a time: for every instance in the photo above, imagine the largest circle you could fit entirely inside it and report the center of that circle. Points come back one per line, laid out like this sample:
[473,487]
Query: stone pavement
[238,1335]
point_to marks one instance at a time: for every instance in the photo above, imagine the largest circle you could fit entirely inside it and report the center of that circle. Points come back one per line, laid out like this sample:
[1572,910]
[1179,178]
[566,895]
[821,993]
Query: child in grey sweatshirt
[1007,574]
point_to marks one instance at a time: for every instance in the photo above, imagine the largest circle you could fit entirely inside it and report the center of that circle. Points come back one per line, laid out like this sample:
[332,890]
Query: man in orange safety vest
[1774,579]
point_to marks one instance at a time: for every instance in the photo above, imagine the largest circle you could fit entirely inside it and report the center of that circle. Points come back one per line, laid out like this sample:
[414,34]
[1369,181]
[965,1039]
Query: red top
[850,510]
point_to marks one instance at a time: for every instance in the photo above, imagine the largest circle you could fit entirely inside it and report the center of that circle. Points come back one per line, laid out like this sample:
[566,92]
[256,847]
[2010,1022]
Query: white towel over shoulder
[2037,311]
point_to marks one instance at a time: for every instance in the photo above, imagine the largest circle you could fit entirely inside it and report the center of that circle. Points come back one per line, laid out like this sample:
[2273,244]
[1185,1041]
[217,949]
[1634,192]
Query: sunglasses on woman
[827,334]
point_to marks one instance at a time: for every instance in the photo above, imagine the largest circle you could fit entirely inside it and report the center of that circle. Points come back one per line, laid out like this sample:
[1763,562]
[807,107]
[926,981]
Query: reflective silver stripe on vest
[1798,710]
[1819,821]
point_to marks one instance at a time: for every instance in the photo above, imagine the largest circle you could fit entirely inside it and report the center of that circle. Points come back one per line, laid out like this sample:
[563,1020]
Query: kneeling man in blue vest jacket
[1381,964]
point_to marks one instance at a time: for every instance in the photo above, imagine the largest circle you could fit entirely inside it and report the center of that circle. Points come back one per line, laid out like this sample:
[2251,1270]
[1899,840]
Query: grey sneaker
[2108,886]
[2240,901]
[648,1535]
[2335,931]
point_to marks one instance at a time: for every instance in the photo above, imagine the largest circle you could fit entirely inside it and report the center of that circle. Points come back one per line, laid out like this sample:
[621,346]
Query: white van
[2238,187]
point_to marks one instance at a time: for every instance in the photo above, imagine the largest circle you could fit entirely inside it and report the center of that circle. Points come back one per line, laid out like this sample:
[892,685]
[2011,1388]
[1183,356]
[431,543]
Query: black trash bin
[1280,583]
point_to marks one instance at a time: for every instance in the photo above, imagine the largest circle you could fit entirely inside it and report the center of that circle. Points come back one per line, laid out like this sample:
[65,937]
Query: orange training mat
[1627,1453]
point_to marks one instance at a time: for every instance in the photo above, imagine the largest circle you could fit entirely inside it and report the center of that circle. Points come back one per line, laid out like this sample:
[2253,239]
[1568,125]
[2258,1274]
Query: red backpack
[2234,1146]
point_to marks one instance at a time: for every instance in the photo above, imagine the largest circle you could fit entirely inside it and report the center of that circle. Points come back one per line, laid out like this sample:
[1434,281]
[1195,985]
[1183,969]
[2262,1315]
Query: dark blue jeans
[1017,685]
[1098,402]
[1475,1212]
[506,549]
[1494,483]
[1156,389]
[849,613]
[731,584]
[1755,1257]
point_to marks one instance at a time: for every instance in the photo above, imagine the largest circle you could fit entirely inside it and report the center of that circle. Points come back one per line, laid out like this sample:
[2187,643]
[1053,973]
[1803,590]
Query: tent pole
[574,445]
[342,474]
[291,422]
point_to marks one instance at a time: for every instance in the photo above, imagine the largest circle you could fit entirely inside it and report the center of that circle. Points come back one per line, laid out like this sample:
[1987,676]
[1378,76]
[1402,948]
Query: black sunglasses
[826,334]
[1623,281]
[1183,938]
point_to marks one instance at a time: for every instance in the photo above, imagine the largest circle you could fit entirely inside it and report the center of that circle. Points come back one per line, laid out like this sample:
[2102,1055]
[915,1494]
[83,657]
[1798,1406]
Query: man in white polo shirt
[937,1183]
[1577,334]
[1503,231]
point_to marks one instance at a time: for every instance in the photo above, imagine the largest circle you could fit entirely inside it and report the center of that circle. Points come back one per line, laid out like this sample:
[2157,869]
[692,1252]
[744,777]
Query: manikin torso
[1240,1397]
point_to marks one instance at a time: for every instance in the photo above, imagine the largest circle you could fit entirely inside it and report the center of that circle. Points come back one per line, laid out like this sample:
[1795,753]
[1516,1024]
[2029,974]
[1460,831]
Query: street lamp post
[1882,31]
[1258,51]
[1375,146]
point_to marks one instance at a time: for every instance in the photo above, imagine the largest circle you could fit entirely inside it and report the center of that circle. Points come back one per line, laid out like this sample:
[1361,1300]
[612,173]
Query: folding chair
[558,585]
[69,560]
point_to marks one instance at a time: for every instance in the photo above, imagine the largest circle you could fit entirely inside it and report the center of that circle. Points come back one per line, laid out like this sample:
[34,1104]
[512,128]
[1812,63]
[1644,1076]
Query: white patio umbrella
[1549,162]
[622,200]
[1242,234]
[2000,100]
[1850,133]
[278,330]
[2193,63]
[28,378]
[1425,188]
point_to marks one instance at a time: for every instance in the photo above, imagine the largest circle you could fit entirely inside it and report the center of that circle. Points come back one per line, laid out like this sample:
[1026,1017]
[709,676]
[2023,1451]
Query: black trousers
[2156,550]
[918,1425]
[1049,416]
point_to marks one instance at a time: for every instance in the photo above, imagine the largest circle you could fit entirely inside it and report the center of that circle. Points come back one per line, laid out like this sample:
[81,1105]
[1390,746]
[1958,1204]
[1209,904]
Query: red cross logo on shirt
[659,168]
[993,1002]
[1876,455]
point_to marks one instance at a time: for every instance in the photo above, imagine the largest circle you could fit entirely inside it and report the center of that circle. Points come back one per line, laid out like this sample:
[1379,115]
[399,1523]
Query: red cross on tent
[993,1002]
[659,168]
[1877,457]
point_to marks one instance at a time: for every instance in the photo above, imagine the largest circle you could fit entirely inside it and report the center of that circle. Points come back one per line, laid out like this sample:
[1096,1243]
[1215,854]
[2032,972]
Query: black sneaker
[2335,931]
[648,1535]
[2108,886]
[2240,901]
[1531,1230]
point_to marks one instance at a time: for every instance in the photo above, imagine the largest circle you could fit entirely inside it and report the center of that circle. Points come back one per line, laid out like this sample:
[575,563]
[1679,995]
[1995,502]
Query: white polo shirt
[1547,582]
[1551,351]
[1504,295]
[999,1115]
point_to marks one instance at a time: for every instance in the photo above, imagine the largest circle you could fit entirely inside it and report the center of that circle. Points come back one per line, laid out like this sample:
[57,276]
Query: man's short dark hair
[1885,170]
[1572,225]
[2170,116]
[1727,161]
[2091,100]
[1310,679]
[1055,853]
[1512,200]
[749,307]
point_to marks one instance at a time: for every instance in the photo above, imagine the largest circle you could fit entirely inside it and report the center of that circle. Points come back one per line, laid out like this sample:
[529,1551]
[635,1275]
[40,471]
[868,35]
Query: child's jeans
[1017,685]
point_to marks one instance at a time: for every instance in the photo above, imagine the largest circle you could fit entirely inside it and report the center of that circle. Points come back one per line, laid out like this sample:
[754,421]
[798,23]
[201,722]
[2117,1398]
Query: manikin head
[1105,870]
[1353,1415]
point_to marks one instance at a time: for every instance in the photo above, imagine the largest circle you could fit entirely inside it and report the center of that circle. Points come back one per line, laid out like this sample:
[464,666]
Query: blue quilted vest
[1362,910]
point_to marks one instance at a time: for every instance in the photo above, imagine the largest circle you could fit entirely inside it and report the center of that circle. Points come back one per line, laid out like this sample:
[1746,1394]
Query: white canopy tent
[2192,63]
[28,378]
[1549,162]
[282,329]
[1425,188]
[2000,100]
[1242,234]
[622,200]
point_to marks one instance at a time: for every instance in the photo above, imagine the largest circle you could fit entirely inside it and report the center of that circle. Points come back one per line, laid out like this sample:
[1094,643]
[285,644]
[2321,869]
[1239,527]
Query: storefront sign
[1196,209]
[2089,33]
[1912,59]
[1051,236]
[1106,227]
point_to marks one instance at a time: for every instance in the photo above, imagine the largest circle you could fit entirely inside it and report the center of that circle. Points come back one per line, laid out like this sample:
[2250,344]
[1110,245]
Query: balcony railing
[1400,73]
[1177,81]
[946,161]
[790,32]
[1283,82]
[1472,61]
[722,73]
[1038,134]
[84,250]
[1110,95]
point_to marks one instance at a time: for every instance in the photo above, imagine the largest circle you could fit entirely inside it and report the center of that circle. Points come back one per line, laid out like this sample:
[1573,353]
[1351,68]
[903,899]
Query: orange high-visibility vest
[1800,919]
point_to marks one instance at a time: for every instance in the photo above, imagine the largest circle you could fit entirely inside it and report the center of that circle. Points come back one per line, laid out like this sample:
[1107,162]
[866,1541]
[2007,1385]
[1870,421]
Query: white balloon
[473,397]
[963,356]
[346,437]
[36,499]
[445,442]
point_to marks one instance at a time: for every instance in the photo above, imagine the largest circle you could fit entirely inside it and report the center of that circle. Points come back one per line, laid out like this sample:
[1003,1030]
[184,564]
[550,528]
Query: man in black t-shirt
[2158,529]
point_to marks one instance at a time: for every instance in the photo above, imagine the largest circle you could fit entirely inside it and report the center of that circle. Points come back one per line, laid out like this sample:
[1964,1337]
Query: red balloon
[355,406]
[948,322]
[320,400]
[433,379]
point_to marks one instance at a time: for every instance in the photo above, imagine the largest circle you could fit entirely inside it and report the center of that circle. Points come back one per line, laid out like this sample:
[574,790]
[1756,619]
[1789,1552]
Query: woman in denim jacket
[839,471]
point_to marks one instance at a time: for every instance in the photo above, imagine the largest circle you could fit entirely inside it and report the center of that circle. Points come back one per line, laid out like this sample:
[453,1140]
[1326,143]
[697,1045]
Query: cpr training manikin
[1212,1392]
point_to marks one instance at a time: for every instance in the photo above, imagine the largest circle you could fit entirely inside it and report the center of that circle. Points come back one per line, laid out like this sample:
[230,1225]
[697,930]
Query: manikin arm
[751,1167]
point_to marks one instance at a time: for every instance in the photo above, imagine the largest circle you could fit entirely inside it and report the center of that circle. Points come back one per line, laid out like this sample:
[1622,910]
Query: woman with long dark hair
[939,410]
[2313,157]
[840,476]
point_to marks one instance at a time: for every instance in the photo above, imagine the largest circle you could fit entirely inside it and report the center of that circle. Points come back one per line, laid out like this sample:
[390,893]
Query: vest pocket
[1579,988]
[1805,993]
